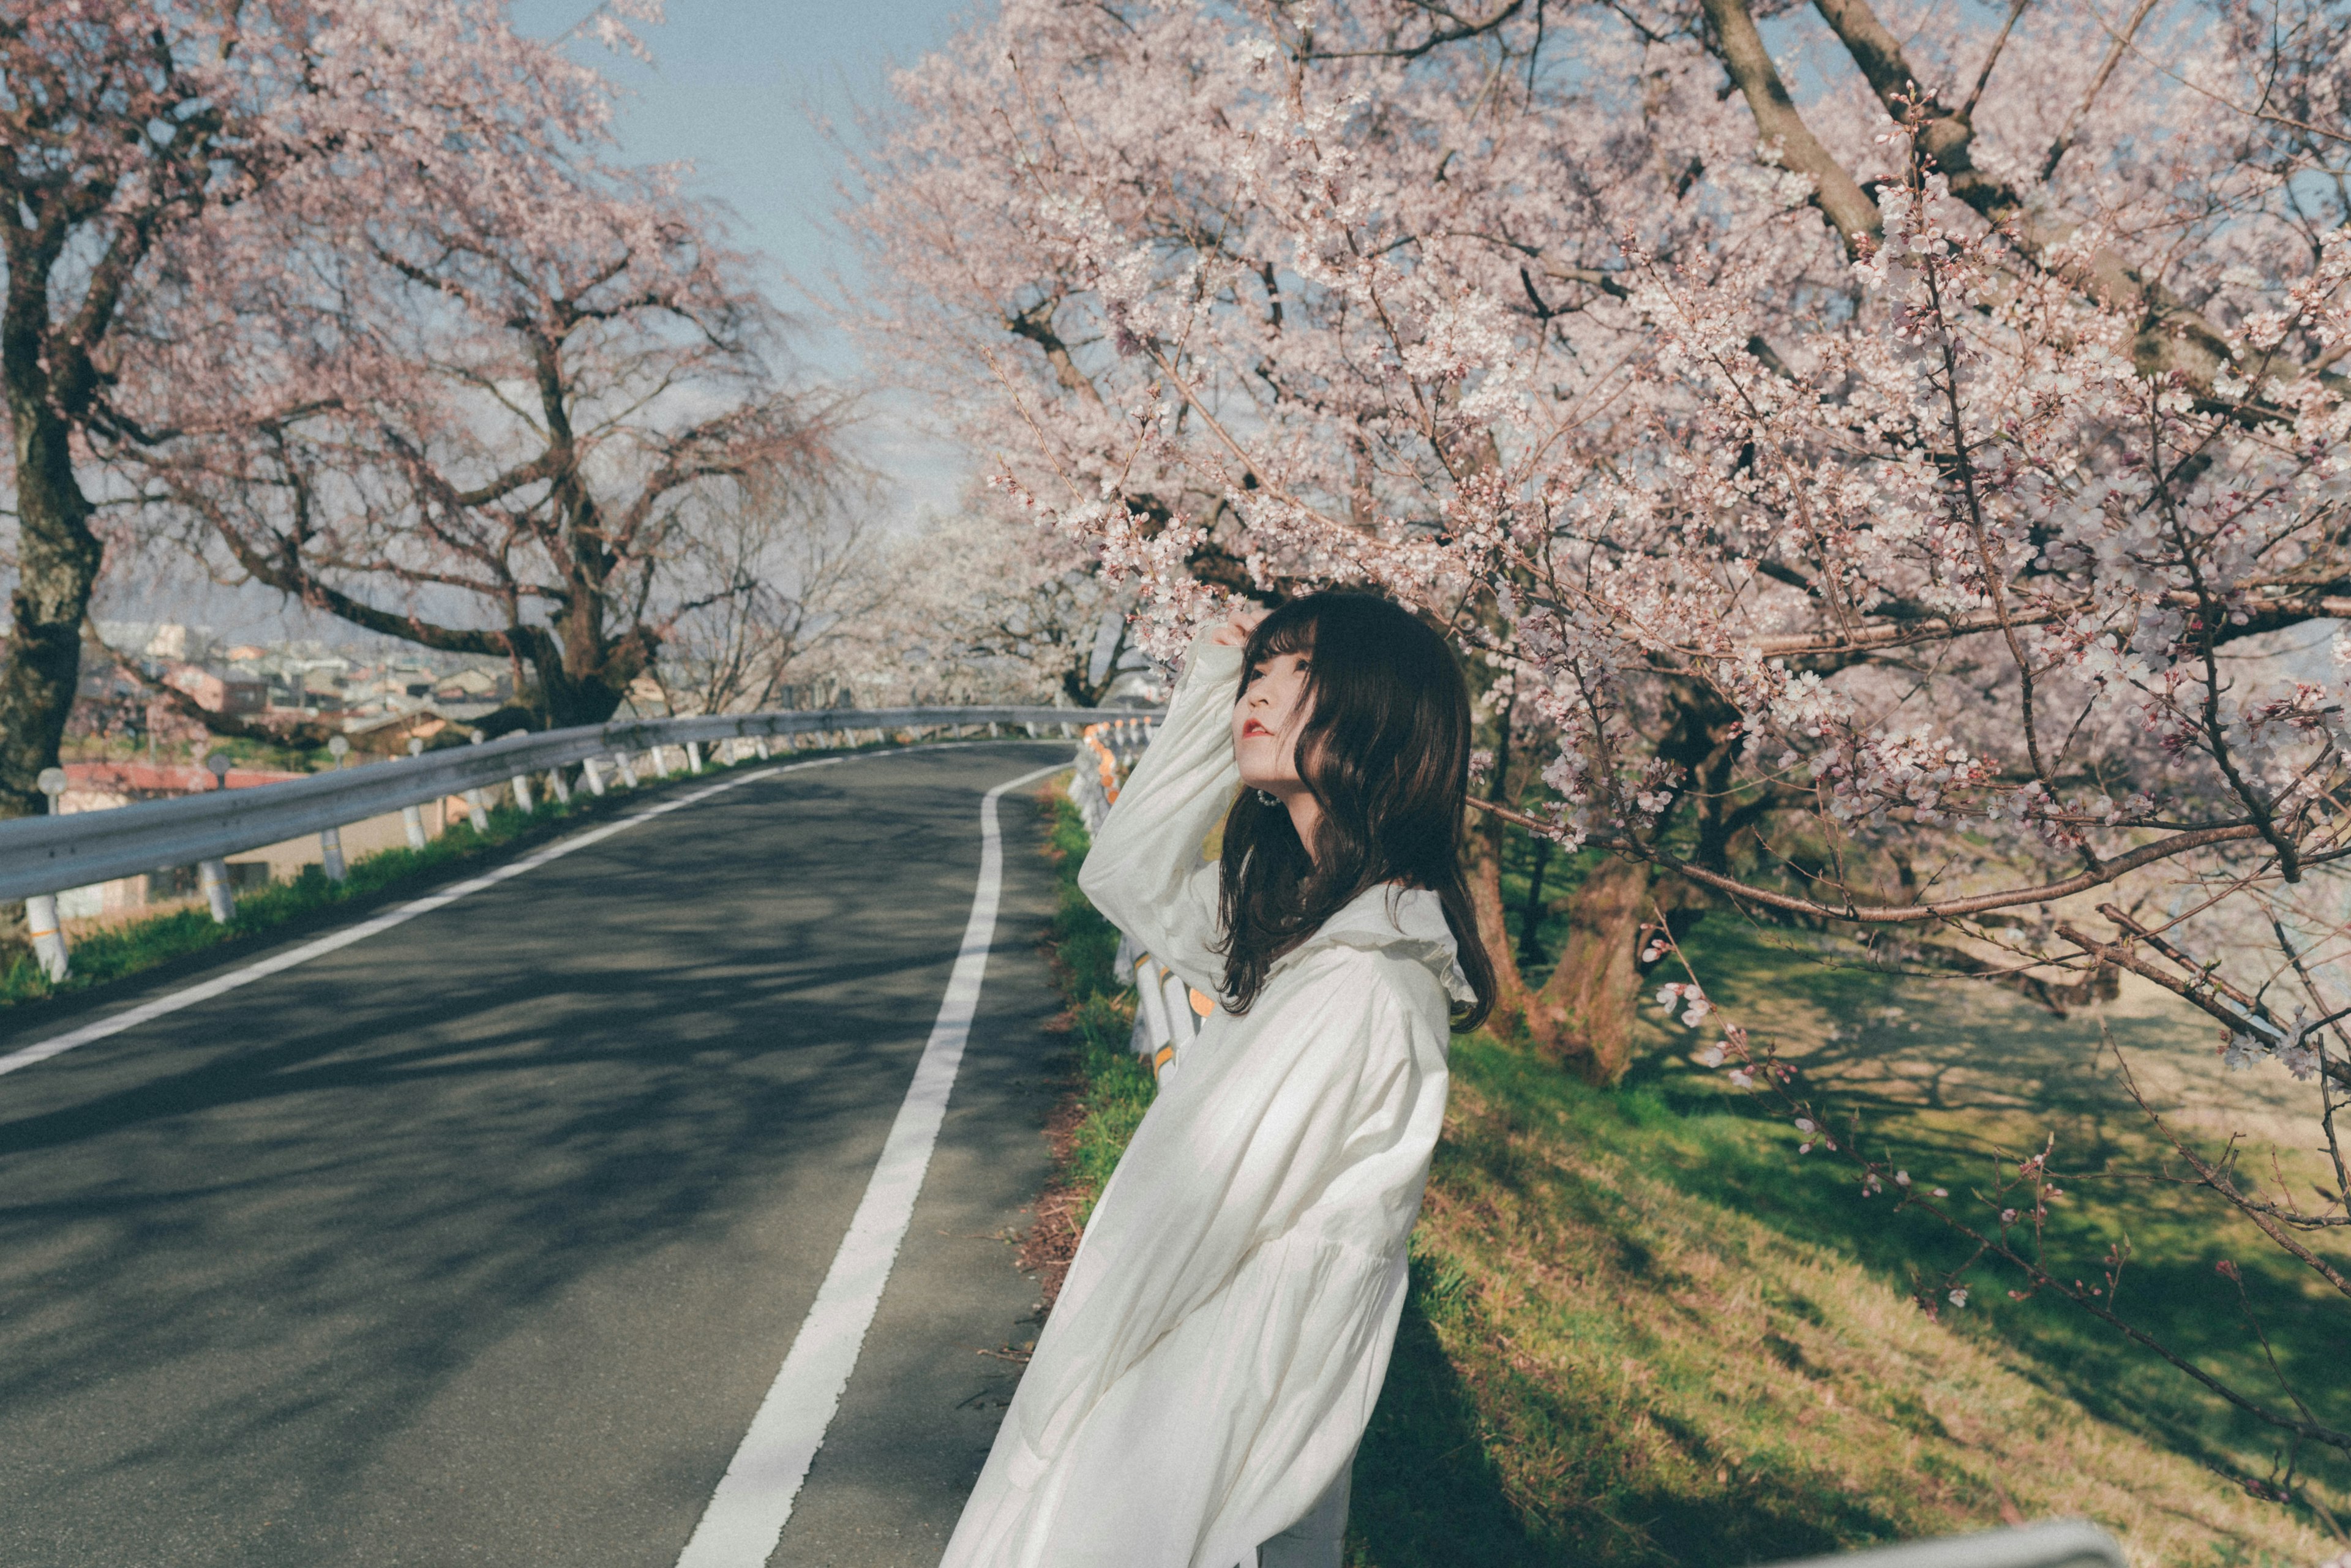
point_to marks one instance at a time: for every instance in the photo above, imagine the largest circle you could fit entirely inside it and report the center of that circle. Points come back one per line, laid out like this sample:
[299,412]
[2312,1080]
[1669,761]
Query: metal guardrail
[1168,1013]
[40,856]
[2057,1543]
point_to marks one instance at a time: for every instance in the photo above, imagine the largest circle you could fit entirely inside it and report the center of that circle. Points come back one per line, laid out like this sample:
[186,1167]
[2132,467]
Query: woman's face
[1273,707]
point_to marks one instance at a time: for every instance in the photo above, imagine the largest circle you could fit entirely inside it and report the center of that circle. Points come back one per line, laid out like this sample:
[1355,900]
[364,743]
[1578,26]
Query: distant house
[472,685]
[388,734]
[218,693]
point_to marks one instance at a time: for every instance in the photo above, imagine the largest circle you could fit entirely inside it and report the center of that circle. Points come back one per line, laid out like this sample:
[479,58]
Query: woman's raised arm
[1145,871]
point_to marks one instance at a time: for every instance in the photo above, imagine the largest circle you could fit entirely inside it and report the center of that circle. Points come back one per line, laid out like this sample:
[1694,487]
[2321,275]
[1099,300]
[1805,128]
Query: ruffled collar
[1406,921]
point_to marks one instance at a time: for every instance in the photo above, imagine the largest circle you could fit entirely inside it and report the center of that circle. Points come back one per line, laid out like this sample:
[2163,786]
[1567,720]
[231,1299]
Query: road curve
[480,1241]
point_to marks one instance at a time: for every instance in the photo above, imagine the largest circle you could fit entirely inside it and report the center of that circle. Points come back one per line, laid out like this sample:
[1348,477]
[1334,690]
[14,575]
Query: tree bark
[1586,1009]
[1582,1017]
[583,678]
[1514,1003]
[1836,192]
[58,555]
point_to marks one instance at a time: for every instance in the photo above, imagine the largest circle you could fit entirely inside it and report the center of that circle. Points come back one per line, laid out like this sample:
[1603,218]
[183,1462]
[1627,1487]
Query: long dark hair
[1385,750]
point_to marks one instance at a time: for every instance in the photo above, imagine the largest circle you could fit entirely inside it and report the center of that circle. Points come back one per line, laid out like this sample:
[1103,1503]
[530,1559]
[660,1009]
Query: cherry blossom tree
[119,127]
[777,597]
[529,417]
[1729,496]
[973,606]
[148,153]
[1883,510]
[994,608]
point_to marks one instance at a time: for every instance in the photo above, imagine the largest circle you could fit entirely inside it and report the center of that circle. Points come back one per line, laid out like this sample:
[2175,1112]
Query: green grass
[1928,1088]
[1113,1085]
[1642,1330]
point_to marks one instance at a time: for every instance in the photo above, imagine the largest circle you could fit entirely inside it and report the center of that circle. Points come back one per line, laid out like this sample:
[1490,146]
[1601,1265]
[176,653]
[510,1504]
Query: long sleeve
[1332,1114]
[1231,1306]
[1145,871]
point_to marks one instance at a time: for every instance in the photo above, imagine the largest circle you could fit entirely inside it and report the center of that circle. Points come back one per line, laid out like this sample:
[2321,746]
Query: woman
[1196,1399]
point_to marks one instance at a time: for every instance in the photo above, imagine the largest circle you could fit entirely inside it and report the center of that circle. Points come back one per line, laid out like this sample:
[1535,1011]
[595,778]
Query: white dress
[1208,1369]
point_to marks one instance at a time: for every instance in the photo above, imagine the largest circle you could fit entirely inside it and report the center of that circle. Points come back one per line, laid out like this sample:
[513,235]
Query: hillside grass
[1957,1081]
[1110,1087]
[1641,1331]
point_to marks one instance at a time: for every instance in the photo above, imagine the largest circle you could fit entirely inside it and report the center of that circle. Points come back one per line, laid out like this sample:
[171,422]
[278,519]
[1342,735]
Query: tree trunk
[1583,1017]
[568,701]
[1513,1002]
[57,567]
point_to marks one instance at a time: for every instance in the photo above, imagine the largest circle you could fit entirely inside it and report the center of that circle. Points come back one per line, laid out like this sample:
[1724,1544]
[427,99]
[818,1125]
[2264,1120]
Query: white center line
[748,1513]
[148,1011]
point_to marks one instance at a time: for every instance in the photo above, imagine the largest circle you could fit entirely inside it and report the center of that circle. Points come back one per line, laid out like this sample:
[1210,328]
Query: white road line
[146,1012]
[748,1513]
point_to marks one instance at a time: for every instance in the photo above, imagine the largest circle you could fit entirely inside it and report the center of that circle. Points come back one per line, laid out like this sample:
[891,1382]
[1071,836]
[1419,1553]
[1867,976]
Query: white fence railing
[1167,1012]
[2057,1543]
[1168,1015]
[40,856]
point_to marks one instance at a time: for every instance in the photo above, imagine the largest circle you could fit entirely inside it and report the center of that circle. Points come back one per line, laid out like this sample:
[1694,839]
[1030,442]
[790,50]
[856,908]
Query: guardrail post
[48,935]
[522,792]
[592,771]
[477,810]
[693,756]
[213,876]
[330,840]
[411,818]
[628,769]
[560,784]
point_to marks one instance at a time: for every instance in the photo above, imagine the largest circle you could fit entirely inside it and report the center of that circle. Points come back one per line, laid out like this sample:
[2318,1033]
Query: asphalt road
[479,1242]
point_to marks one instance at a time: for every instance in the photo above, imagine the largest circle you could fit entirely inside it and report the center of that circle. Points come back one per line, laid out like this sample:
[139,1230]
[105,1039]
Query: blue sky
[736,89]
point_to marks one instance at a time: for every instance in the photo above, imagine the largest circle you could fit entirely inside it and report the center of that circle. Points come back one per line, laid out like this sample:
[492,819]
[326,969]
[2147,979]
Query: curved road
[482,1239]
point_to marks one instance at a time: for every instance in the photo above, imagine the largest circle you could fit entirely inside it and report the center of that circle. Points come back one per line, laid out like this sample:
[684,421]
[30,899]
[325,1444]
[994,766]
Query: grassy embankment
[142,943]
[1642,1332]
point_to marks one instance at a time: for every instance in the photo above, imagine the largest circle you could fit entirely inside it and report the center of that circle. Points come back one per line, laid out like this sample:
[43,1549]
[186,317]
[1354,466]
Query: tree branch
[1839,197]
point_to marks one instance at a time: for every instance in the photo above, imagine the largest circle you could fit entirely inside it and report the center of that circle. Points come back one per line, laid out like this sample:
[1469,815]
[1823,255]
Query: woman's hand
[1239,624]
